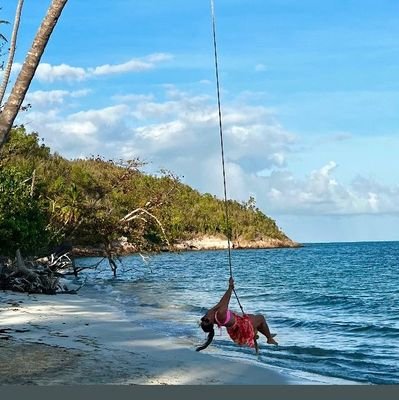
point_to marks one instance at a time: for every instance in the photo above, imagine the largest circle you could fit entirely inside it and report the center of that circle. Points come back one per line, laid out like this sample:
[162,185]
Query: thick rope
[226,208]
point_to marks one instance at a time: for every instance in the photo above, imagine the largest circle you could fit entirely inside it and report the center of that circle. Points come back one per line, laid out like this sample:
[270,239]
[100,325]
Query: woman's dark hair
[206,326]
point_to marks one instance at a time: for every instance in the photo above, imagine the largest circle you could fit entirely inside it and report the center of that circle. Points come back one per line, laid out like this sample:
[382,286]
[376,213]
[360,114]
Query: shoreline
[73,339]
[199,243]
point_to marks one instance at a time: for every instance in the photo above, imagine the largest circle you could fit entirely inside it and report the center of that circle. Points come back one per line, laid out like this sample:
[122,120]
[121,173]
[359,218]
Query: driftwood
[41,275]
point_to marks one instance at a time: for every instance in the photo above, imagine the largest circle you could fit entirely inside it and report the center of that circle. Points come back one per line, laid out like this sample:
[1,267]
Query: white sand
[71,339]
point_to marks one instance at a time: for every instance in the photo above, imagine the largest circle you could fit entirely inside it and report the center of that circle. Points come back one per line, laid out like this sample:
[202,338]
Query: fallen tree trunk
[35,276]
[21,268]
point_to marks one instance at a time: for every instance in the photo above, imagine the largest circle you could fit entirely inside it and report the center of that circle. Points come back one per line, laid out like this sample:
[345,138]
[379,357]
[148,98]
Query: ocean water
[334,307]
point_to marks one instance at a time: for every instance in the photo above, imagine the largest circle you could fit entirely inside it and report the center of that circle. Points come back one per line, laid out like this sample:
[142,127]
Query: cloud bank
[179,131]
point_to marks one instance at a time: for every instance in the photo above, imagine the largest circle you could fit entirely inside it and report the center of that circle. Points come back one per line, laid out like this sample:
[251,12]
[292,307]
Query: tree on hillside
[32,60]
[112,205]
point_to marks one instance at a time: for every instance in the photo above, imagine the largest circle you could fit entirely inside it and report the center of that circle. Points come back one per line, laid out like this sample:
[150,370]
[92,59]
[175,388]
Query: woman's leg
[260,325]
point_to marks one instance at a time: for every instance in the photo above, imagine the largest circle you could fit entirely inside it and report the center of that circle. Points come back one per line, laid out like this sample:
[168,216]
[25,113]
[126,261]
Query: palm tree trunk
[32,60]
[11,54]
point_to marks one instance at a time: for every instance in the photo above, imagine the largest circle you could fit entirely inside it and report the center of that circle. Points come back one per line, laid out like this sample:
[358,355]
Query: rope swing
[226,208]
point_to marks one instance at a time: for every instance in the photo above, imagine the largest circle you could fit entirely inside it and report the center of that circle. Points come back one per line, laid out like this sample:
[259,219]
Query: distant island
[107,207]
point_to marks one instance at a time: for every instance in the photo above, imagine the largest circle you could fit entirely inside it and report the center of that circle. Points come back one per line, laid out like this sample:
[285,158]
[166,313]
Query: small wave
[153,305]
[297,323]
[312,351]
[333,300]
[327,354]
[316,325]
[375,330]
[335,363]
[343,327]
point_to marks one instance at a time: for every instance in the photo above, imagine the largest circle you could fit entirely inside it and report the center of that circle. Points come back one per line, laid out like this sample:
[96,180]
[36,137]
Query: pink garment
[242,332]
[228,316]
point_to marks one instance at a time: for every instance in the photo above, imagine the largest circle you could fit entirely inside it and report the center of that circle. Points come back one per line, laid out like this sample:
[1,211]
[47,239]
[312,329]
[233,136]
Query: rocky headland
[203,242]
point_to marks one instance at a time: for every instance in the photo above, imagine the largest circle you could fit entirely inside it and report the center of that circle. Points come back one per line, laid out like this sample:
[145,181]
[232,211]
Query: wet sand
[74,340]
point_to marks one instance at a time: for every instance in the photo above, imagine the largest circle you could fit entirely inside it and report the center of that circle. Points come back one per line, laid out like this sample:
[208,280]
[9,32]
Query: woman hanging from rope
[242,329]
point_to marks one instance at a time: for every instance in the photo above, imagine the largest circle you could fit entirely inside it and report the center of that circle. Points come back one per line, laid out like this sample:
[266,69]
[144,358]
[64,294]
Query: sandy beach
[74,340]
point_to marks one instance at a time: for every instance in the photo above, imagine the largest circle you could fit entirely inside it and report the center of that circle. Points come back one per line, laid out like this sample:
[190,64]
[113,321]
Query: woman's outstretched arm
[223,304]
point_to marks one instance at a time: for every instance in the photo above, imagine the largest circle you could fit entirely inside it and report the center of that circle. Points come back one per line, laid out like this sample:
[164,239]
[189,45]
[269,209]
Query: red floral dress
[242,332]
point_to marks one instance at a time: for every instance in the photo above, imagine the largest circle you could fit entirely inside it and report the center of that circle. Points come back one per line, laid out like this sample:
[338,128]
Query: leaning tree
[13,45]
[14,102]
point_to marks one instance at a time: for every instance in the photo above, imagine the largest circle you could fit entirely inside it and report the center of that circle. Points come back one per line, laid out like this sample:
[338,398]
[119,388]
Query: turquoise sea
[334,306]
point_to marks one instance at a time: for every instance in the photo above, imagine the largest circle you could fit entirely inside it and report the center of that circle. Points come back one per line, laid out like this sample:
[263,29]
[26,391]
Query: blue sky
[310,99]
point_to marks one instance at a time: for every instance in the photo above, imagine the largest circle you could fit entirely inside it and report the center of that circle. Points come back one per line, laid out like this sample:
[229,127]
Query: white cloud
[158,57]
[150,109]
[162,134]
[42,98]
[51,73]
[278,158]
[373,201]
[81,134]
[64,72]
[181,133]
[260,67]
[133,65]
[321,194]
[130,66]
[16,67]
[79,129]
[105,116]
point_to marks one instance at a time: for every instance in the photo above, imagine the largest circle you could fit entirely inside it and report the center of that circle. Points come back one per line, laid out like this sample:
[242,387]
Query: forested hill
[46,199]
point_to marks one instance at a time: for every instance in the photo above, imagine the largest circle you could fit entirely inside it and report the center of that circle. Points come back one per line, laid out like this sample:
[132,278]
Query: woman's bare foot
[271,340]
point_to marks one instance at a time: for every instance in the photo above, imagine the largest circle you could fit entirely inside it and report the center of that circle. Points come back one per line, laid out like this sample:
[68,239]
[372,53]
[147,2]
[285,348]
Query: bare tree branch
[137,213]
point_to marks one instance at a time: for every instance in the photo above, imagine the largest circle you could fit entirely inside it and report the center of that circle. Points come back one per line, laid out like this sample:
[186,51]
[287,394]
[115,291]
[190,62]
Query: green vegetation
[46,199]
